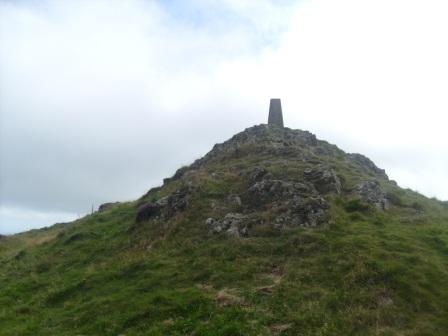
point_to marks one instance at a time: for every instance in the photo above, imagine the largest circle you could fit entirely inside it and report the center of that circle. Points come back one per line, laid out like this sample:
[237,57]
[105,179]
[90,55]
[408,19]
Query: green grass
[374,275]
[367,272]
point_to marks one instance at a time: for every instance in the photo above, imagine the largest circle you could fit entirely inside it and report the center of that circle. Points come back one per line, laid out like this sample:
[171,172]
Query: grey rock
[367,165]
[213,225]
[324,179]
[147,211]
[163,201]
[232,223]
[233,231]
[177,201]
[165,207]
[210,221]
[178,175]
[372,193]
[270,190]
[235,200]
[306,212]
[260,139]
[257,174]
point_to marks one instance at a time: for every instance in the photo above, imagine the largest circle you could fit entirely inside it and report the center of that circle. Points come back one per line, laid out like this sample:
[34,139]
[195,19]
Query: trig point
[275,113]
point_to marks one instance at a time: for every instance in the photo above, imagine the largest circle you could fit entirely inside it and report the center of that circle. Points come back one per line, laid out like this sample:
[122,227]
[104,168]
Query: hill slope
[273,232]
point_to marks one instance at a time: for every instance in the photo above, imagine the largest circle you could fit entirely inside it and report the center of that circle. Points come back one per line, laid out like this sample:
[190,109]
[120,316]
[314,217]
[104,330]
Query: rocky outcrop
[270,190]
[324,179]
[147,211]
[176,202]
[165,207]
[259,139]
[233,224]
[292,203]
[282,177]
[372,193]
[366,165]
[304,212]
[257,174]
[234,200]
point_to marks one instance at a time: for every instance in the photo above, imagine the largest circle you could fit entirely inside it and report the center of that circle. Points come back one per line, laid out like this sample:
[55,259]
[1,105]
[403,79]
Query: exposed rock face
[270,176]
[257,174]
[324,179]
[232,223]
[305,212]
[372,193]
[234,200]
[261,138]
[165,207]
[176,202]
[147,211]
[366,164]
[270,190]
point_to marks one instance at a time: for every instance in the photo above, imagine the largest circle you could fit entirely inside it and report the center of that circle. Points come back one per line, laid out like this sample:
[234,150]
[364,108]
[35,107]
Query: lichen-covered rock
[367,165]
[177,201]
[257,174]
[269,190]
[305,212]
[234,200]
[233,224]
[260,139]
[324,179]
[372,193]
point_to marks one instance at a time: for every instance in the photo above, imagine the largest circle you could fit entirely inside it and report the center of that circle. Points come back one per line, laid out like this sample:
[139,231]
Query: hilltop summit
[273,232]
[275,176]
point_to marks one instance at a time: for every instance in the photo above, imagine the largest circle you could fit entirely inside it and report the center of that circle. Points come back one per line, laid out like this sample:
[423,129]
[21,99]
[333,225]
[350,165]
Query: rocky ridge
[283,178]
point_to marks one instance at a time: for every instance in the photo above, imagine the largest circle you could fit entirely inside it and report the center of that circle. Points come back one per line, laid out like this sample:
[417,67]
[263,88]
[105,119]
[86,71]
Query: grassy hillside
[365,271]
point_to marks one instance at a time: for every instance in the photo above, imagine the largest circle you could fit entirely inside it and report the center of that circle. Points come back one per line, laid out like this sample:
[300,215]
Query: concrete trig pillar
[275,113]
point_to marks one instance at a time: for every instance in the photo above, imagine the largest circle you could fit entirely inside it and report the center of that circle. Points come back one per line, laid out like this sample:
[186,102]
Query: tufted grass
[367,272]
[370,274]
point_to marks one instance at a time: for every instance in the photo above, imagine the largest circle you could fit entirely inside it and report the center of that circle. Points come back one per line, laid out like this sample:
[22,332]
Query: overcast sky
[102,99]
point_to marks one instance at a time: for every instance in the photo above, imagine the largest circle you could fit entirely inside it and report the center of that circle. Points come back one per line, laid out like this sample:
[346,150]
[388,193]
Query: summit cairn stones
[275,113]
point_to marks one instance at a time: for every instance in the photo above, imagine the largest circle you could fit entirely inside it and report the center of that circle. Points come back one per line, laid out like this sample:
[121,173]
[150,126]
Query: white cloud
[370,76]
[102,99]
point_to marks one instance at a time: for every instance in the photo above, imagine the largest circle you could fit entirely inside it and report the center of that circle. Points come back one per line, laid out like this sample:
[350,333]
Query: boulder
[305,212]
[176,202]
[232,224]
[271,190]
[234,200]
[147,211]
[257,174]
[165,207]
[372,193]
[324,179]
[367,165]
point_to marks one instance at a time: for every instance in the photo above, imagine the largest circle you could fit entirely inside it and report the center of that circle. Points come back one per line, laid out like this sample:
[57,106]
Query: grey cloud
[100,100]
